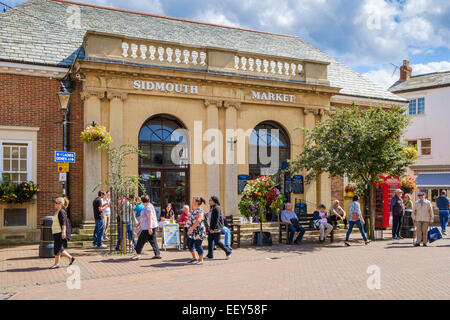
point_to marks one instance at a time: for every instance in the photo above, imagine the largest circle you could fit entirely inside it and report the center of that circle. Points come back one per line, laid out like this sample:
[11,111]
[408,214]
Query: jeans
[360,227]
[396,225]
[443,217]
[151,238]
[98,233]
[292,230]
[227,234]
[214,238]
[130,234]
[191,243]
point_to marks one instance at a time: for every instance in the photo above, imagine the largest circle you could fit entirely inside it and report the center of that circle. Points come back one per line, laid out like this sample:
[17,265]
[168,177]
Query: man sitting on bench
[290,217]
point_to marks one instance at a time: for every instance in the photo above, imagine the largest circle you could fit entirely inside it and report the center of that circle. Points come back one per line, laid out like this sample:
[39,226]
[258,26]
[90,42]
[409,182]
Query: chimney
[405,71]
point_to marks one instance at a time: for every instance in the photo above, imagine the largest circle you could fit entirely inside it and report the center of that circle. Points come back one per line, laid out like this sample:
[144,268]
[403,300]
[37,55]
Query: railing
[265,66]
[164,54]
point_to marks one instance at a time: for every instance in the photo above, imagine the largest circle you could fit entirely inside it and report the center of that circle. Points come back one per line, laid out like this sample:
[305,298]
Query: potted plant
[408,185]
[350,191]
[96,133]
[259,196]
[11,192]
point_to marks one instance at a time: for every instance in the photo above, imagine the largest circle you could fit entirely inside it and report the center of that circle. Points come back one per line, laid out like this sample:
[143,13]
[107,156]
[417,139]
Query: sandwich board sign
[171,235]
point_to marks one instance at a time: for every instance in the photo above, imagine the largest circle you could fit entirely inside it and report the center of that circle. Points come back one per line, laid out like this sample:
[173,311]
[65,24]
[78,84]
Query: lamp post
[64,96]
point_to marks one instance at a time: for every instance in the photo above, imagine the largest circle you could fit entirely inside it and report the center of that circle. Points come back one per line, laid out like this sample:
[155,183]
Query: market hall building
[144,77]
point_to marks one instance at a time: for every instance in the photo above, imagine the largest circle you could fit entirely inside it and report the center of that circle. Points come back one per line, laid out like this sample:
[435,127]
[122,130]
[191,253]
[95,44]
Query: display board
[242,182]
[298,184]
[171,235]
[287,185]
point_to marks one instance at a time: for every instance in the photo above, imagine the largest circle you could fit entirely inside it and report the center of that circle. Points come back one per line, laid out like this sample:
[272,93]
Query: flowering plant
[408,185]
[258,196]
[96,134]
[11,192]
[350,188]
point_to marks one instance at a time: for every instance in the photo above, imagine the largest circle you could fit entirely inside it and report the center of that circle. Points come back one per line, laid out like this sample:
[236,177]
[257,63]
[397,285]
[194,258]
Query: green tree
[363,144]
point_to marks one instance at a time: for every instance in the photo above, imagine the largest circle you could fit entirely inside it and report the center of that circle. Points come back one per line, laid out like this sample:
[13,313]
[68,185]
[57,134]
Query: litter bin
[407,230]
[46,245]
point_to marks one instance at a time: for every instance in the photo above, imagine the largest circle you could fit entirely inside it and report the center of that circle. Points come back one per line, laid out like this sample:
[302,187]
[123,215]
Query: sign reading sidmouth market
[270,96]
[165,87]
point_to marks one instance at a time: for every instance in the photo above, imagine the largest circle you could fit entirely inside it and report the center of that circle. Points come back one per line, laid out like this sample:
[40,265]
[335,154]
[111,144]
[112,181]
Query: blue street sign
[61,156]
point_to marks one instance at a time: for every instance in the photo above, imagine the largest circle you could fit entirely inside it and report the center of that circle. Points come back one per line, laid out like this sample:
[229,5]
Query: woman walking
[356,218]
[61,230]
[196,230]
[148,223]
[216,223]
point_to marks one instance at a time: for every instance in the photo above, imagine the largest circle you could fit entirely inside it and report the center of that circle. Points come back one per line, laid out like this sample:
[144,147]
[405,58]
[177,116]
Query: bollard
[46,244]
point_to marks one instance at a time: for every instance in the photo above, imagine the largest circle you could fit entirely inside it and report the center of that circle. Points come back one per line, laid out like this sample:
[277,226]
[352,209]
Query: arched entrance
[163,180]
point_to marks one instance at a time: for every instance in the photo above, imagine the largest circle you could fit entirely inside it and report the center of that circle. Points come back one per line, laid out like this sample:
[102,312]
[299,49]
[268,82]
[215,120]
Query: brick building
[136,72]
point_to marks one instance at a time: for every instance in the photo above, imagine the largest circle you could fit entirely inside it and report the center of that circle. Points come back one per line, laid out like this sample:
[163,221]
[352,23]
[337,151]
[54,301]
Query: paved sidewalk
[308,271]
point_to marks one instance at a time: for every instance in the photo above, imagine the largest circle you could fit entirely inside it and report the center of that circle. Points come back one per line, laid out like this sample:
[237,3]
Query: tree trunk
[371,226]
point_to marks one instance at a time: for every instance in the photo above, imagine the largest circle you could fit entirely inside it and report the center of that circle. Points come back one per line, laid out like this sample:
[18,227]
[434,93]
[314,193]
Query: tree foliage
[361,143]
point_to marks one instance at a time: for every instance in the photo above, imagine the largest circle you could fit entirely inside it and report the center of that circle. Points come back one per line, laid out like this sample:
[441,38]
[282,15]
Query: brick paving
[308,271]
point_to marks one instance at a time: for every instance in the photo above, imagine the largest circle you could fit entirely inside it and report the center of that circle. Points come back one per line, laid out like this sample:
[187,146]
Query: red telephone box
[384,191]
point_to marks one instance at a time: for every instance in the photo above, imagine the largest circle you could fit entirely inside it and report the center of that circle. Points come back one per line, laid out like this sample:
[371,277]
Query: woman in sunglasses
[61,230]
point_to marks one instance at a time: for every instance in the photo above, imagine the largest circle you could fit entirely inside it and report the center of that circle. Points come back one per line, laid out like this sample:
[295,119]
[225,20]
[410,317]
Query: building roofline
[172,18]
[421,88]
[375,99]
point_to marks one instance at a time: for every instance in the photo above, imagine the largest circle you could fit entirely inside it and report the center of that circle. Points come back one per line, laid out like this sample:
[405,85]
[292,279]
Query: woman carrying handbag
[356,218]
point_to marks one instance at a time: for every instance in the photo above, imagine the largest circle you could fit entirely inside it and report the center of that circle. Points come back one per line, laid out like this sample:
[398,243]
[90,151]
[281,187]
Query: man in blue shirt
[443,204]
[290,217]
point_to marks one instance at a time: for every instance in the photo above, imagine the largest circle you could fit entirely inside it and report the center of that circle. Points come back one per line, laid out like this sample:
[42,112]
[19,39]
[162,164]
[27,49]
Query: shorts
[59,244]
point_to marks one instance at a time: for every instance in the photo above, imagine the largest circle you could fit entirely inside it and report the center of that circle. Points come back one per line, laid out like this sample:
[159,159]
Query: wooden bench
[235,230]
[304,220]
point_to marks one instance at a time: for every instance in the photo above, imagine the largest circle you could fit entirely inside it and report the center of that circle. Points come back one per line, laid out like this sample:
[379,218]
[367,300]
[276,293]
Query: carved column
[231,167]
[310,188]
[212,170]
[116,100]
[325,179]
[92,156]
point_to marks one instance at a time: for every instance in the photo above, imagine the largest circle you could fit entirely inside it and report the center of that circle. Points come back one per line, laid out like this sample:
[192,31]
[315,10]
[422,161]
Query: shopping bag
[434,234]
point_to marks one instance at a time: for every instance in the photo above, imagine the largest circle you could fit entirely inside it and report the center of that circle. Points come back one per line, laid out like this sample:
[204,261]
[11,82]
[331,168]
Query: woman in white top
[106,215]
[148,223]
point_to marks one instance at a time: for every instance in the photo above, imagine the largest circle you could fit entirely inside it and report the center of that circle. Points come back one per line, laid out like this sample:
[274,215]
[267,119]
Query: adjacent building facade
[429,110]
[214,96]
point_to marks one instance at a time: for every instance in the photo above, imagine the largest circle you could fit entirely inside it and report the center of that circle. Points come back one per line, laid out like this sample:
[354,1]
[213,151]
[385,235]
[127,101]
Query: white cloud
[212,16]
[386,78]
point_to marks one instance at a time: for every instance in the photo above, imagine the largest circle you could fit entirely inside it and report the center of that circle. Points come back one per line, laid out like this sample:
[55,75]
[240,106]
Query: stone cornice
[32,70]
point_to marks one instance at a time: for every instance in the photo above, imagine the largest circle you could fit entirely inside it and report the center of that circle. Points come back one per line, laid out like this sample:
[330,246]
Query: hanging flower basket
[11,192]
[96,134]
[350,191]
[408,185]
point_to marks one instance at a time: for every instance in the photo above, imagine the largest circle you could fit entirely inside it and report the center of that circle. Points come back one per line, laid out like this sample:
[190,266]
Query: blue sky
[367,35]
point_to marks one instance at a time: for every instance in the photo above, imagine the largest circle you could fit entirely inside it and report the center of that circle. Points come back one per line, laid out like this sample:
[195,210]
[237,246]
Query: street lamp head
[64,98]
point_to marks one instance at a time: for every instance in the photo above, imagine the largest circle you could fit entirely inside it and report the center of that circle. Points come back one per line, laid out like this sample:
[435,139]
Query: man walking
[290,217]
[443,204]
[422,216]
[397,208]
[98,207]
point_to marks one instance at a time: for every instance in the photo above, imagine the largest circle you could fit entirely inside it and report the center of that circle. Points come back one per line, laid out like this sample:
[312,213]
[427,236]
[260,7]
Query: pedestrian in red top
[184,217]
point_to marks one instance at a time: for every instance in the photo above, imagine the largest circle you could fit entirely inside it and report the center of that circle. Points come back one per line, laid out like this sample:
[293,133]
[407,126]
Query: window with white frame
[425,147]
[16,161]
[416,106]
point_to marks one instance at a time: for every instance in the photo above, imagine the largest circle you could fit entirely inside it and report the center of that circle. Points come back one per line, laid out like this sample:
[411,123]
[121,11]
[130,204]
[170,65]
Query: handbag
[434,234]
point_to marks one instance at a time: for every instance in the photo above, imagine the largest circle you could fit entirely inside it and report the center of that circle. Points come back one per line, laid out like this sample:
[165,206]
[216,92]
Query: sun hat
[421,194]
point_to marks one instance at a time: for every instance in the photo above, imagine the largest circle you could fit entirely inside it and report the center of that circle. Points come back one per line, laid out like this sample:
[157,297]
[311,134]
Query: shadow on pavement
[28,269]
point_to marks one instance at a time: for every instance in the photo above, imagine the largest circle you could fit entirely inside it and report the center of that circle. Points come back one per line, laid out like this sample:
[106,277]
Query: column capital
[309,111]
[116,95]
[232,104]
[86,94]
[213,103]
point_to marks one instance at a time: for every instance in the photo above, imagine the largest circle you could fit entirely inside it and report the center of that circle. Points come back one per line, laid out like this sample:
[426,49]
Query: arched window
[266,138]
[157,139]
